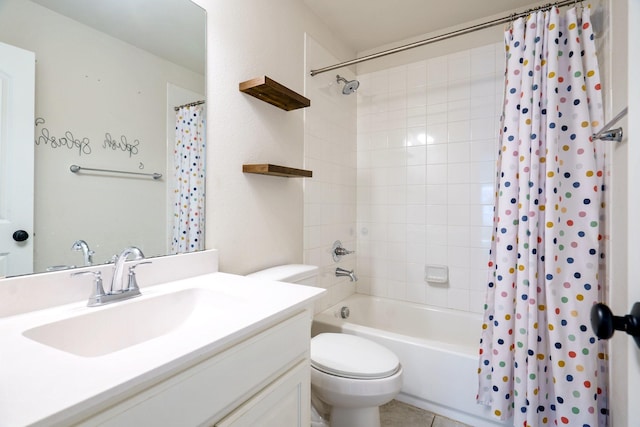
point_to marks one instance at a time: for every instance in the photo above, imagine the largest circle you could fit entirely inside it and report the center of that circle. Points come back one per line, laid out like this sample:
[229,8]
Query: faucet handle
[337,251]
[342,251]
[132,284]
[98,290]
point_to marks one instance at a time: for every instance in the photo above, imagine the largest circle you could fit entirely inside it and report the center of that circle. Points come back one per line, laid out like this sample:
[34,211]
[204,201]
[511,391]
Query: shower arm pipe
[612,122]
[441,37]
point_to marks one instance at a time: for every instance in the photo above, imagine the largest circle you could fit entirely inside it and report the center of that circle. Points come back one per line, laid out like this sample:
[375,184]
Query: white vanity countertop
[41,385]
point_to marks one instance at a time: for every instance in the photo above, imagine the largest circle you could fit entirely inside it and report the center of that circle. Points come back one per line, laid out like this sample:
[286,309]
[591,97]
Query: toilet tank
[301,274]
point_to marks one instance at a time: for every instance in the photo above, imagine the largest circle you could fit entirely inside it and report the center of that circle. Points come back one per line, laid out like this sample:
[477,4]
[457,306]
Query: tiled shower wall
[330,195]
[426,152]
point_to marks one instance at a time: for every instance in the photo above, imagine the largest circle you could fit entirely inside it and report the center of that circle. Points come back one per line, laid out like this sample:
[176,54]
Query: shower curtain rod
[191,104]
[445,36]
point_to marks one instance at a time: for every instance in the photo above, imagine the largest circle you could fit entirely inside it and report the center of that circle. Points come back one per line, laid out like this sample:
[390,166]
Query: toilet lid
[350,356]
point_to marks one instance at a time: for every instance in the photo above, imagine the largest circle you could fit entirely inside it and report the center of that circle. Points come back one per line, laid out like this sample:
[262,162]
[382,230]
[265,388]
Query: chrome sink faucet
[81,245]
[118,291]
[117,281]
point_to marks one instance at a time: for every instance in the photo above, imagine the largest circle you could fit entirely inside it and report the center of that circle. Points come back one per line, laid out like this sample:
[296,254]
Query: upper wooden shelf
[274,93]
[275,170]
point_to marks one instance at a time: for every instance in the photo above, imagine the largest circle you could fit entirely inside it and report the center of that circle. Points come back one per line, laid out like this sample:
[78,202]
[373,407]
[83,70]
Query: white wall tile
[417,116]
[459,66]
[458,215]
[417,97]
[437,133]
[437,72]
[416,175]
[436,194]
[483,60]
[416,293]
[458,131]
[437,174]
[416,214]
[437,153]
[436,295]
[416,195]
[483,150]
[417,74]
[417,155]
[458,299]
[459,90]
[437,214]
[437,254]
[437,94]
[458,152]
[398,79]
[426,152]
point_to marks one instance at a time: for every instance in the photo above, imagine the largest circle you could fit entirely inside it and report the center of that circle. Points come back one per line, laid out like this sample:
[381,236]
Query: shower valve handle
[337,251]
[604,323]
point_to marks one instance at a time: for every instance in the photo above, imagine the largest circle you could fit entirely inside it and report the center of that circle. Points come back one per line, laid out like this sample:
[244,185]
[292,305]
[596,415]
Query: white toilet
[353,375]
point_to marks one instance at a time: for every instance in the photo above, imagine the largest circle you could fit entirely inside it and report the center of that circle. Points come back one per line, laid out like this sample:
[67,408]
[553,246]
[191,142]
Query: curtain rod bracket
[608,134]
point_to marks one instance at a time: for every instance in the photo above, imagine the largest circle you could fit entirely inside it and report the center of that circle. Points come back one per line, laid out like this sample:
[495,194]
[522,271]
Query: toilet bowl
[350,374]
[354,376]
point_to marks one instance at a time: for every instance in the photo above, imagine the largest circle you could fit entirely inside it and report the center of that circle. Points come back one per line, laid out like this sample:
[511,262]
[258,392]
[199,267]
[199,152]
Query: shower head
[349,86]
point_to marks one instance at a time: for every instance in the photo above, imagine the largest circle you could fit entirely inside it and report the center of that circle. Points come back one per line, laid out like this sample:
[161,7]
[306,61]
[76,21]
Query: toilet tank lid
[286,273]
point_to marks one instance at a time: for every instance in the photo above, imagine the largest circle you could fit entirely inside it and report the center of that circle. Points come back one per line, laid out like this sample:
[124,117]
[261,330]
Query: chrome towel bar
[76,169]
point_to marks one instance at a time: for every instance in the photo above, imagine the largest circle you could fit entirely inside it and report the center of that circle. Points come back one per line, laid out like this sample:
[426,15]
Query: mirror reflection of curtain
[189,162]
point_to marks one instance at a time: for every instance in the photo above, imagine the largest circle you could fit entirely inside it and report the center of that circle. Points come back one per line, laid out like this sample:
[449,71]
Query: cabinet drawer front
[284,403]
[203,394]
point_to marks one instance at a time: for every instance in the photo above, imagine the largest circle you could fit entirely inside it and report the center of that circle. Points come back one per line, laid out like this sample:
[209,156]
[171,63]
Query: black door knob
[20,236]
[604,323]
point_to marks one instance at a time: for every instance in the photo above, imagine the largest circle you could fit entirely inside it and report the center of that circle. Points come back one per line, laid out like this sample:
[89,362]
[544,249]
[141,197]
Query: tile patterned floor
[398,414]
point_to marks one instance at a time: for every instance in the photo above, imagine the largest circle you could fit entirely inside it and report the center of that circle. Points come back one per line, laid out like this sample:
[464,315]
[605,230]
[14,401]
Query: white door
[17,102]
[634,204]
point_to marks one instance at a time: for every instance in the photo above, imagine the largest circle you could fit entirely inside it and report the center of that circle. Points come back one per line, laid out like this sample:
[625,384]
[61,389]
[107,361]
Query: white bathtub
[437,347]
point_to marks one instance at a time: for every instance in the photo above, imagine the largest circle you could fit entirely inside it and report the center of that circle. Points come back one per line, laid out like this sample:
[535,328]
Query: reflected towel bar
[76,169]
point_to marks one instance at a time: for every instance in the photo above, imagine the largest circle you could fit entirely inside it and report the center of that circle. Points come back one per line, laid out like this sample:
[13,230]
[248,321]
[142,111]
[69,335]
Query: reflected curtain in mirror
[189,194]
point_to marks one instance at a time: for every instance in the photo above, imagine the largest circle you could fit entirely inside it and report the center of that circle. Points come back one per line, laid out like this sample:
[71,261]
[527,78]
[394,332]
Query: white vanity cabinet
[283,403]
[262,380]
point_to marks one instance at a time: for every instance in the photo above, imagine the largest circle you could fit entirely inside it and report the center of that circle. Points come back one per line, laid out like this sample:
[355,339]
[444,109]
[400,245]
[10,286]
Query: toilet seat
[350,356]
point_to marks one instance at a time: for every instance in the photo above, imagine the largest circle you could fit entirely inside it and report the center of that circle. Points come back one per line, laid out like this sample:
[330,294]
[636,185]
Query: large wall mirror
[108,77]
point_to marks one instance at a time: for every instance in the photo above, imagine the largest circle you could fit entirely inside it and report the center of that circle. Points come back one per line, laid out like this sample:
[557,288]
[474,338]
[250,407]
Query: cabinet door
[283,403]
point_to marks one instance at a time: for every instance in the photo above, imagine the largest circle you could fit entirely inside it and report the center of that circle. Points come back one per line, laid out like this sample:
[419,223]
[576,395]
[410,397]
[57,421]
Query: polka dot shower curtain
[188,206]
[539,360]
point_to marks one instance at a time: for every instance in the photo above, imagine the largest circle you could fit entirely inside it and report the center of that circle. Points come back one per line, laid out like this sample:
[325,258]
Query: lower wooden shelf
[275,170]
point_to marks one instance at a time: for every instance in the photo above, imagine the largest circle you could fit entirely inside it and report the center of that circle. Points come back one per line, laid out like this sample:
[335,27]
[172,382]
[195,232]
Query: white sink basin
[124,324]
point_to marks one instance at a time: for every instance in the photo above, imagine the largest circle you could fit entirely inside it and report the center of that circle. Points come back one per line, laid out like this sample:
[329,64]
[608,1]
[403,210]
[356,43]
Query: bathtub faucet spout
[349,273]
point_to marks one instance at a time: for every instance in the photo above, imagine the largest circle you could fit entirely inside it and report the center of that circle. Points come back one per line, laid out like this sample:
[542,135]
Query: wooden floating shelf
[274,93]
[275,170]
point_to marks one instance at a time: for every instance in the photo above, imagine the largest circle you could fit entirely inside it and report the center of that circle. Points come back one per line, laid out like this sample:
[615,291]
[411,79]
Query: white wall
[90,84]
[256,221]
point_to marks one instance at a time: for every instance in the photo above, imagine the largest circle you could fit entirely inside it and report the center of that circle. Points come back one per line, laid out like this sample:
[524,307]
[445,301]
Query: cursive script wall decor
[123,145]
[82,145]
[43,137]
